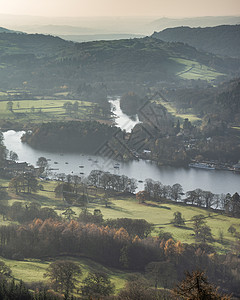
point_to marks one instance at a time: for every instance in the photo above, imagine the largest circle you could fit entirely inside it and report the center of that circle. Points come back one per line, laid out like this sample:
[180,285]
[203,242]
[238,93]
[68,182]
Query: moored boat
[202,166]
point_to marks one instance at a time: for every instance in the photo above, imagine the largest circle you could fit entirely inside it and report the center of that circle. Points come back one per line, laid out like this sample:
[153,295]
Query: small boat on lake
[202,166]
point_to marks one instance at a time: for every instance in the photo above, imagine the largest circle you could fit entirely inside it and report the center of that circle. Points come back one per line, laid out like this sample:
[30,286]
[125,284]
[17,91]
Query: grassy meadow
[159,214]
[33,270]
[195,70]
[43,110]
[173,111]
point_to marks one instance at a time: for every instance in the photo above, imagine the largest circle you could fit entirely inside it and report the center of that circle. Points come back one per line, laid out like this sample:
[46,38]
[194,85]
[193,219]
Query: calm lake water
[76,163]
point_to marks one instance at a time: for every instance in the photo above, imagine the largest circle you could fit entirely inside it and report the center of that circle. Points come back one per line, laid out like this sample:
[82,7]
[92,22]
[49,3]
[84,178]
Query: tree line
[74,189]
[116,248]
[156,191]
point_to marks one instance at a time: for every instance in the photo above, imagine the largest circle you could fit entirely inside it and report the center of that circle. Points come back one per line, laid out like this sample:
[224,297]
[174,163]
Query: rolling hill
[45,62]
[221,40]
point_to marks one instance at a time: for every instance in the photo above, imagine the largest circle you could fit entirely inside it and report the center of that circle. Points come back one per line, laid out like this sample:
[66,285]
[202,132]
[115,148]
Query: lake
[215,181]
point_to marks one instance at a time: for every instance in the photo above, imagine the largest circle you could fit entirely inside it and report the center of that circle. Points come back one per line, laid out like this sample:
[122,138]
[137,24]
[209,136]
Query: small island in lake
[71,136]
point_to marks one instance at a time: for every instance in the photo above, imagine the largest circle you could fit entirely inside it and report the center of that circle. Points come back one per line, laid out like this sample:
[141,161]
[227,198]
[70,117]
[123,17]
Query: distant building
[18,167]
[237,167]
[146,151]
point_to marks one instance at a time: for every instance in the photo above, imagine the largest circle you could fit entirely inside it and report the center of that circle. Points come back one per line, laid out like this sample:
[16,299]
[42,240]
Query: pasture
[33,270]
[44,110]
[159,214]
[195,70]
[181,116]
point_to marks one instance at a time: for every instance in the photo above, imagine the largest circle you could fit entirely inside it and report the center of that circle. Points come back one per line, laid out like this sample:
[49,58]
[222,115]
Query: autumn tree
[142,196]
[62,274]
[169,249]
[196,287]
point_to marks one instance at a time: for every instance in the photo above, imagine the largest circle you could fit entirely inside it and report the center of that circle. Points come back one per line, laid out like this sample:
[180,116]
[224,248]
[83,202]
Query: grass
[236,127]
[160,214]
[33,270]
[29,270]
[195,70]
[173,111]
[42,110]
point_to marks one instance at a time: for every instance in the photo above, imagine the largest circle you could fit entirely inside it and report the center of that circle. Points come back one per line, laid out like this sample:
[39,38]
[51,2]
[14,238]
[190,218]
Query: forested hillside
[44,63]
[222,101]
[222,40]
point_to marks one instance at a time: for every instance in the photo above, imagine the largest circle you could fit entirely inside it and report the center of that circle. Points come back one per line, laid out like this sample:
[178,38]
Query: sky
[138,8]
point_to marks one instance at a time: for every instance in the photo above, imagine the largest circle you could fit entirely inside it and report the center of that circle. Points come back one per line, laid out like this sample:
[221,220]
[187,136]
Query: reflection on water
[75,163]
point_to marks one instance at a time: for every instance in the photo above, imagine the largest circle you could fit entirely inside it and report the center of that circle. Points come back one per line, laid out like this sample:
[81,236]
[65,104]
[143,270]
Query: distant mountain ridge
[98,37]
[2,29]
[164,23]
[222,40]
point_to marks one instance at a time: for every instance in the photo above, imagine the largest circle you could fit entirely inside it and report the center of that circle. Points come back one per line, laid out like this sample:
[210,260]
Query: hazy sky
[167,8]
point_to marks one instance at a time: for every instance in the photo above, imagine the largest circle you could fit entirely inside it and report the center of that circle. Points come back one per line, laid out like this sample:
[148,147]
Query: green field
[159,214]
[173,111]
[43,110]
[33,270]
[236,127]
[195,70]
